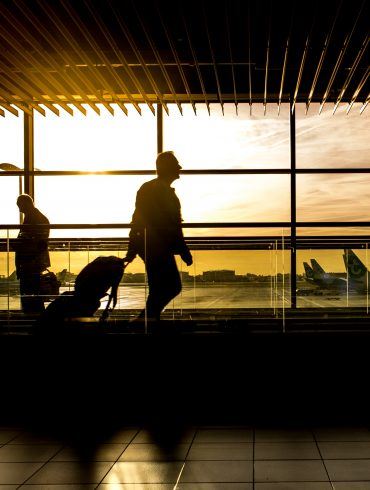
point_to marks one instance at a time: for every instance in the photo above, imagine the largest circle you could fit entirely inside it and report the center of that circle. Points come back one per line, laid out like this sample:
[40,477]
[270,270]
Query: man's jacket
[156,222]
[31,245]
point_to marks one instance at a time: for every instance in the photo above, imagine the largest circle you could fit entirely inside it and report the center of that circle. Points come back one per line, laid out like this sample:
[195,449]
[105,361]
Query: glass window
[88,199]
[223,280]
[10,188]
[328,140]
[9,284]
[222,198]
[333,278]
[111,199]
[230,140]
[333,197]
[11,137]
[94,142]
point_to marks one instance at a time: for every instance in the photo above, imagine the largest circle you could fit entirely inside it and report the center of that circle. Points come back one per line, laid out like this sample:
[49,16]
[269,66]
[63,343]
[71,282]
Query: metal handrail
[246,224]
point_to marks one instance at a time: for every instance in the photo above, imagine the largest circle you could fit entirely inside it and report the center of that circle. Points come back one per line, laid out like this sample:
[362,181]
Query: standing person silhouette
[31,254]
[156,235]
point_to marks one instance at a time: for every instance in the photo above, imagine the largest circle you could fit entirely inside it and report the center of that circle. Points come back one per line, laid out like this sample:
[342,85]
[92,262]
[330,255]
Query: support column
[159,128]
[293,206]
[28,154]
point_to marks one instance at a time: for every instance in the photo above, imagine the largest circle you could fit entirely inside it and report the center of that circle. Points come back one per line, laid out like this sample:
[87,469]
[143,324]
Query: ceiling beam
[120,56]
[358,89]
[195,59]
[214,64]
[322,57]
[177,59]
[340,58]
[136,51]
[157,56]
[227,21]
[9,108]
[351,72]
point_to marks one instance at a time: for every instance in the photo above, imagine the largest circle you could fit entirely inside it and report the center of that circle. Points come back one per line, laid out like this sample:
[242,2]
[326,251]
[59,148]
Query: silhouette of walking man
[156,235]
[31,254]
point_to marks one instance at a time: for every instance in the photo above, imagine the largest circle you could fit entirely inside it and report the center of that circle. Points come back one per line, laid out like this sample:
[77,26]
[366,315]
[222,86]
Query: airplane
[358,274]
[315,274]
[308,272]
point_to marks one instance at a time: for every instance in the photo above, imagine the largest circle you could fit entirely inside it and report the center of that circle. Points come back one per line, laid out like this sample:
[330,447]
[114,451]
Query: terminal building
[256,375]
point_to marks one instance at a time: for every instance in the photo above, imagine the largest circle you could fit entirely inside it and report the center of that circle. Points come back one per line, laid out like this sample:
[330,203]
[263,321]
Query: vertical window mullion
[293,208]
[29,154]
[159,128]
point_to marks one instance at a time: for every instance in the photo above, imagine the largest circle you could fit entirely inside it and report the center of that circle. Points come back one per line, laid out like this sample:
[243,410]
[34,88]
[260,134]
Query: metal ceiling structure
[65,54]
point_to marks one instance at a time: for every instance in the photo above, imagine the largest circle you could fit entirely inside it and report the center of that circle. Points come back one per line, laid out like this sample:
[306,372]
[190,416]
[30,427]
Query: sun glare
[202,141]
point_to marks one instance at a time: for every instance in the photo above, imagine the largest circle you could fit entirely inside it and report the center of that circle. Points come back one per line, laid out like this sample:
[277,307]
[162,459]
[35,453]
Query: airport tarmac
[230,296]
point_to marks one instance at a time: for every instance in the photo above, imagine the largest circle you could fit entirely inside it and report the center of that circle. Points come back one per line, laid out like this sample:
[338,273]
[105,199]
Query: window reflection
[333,197]
[11,131]
[334,141]
[94,142]
[333,278]
[230,140]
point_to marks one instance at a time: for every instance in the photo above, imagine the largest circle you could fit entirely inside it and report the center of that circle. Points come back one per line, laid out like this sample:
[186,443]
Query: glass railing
[234,273]
[235,276]
[333,273]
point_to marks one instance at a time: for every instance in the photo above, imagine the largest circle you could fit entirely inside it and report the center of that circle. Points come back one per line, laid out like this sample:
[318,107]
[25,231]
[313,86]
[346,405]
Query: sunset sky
[233,141]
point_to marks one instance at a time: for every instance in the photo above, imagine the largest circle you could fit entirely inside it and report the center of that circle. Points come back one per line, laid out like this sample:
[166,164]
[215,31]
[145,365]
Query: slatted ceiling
[351,73]
[37,74]
[103,28]
[213,58]
[66,54]
[176,57]
[229,44]
[82,83]
[136,51]
[268,40]
[100,55]
[8,107]
[52,108]
[365,104]
[121,57]
[194,58]
[320,62]
[341,55]
[358,89]
[158,58]
[303,61]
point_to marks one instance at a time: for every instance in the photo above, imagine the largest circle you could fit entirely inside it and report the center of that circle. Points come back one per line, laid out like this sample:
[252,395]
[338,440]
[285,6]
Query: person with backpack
[156,235]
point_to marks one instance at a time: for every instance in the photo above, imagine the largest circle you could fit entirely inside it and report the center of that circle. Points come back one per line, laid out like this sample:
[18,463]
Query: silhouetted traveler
[31,254]
[156,235]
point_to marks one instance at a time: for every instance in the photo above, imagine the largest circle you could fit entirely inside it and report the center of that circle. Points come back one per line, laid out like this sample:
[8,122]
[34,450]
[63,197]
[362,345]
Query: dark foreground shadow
[89,387]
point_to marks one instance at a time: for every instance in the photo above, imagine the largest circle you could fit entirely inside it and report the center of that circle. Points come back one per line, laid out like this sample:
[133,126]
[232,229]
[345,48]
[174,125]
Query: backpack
[49,286]
[96,278]
[91,285]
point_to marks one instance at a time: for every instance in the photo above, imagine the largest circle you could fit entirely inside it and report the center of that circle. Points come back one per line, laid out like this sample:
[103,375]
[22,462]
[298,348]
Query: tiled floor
[204,458]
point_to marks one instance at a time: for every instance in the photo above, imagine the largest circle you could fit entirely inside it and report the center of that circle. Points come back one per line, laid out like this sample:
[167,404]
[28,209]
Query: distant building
[186,277]
[138,277]
[219,276]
